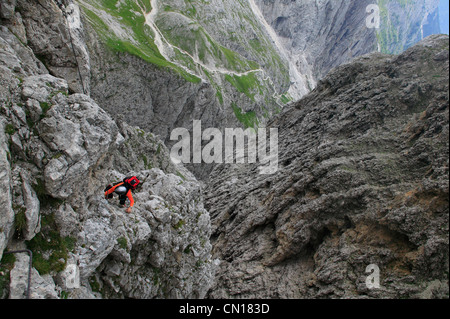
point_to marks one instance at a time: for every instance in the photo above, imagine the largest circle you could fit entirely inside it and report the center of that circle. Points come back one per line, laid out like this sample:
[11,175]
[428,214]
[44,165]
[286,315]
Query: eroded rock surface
[363,179]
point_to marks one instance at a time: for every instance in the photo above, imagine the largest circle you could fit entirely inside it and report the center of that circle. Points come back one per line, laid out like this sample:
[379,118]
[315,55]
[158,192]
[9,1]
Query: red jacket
[129,195]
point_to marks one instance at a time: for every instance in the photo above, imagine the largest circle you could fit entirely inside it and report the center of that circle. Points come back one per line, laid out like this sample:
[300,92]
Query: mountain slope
[58,152]
[217,42]
[363,176]
[226,63]
[363,179]
[330,33]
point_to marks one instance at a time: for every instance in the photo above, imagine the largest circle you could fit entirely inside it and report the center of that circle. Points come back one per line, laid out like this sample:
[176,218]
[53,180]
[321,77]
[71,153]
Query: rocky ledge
[58,151]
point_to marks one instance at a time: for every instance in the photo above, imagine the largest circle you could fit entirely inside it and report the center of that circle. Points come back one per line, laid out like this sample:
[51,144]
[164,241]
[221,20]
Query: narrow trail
[166,48]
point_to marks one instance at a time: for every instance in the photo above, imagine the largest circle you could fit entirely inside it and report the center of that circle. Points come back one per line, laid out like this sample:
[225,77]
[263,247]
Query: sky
[443,15]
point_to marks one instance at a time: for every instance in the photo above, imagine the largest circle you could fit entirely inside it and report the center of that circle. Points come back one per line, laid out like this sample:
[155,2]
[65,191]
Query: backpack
[132,182]
[108,188]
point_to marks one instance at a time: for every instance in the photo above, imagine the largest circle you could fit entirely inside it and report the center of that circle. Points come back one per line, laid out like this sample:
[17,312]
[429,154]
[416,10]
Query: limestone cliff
[363,180]
[321,35]
[90,91]
[161,64]
[58,152]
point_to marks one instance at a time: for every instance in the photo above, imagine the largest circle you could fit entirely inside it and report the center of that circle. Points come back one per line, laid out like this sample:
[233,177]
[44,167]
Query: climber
[124,190]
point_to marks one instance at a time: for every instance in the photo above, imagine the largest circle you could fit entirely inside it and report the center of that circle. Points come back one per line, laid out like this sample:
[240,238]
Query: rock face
[208,61]
[55,39]
[362,180]
[363,176]
[328,34]
[162,252]
[331,33]
[7,213]
[58,151]
[226,63]
[229,63]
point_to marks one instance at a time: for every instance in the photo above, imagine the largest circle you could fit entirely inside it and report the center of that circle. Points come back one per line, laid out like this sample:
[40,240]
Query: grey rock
[311,38]
[32,206]
[19,277]
[363,179]
[41,86]
[8,8]
[7,213]
[363,174]
[168,231]
[63,151]
[9,57]
[27,63]
[330,33]
[42,287]
[49,35]
[98,238]
[79,132]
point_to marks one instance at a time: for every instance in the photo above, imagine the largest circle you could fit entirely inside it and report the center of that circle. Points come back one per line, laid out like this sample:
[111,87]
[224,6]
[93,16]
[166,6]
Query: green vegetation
[196,41]
[179,224]
[122,241]
[121,26]
[216,86]
[156,276]
[39,188]
[286,98]
[6,265]
[188,249]
[45,107]
[248,119]
[20,220]
[389,35]
[219,95]
[137,36]
[245,84]
[55,93]
[181,175]
[147,163]
[50,250]
[95,285]
[158,150]
[9,129]
[64,295]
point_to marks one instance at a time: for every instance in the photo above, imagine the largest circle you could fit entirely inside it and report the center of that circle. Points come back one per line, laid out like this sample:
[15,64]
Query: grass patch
[180,224]
[6,265]
[9,129]
[244,84]
[45,106]
[286,98]
[50,250]
[140,40]
[122,242]
[248,119]
[20,220]
[219,95]
[147,163]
